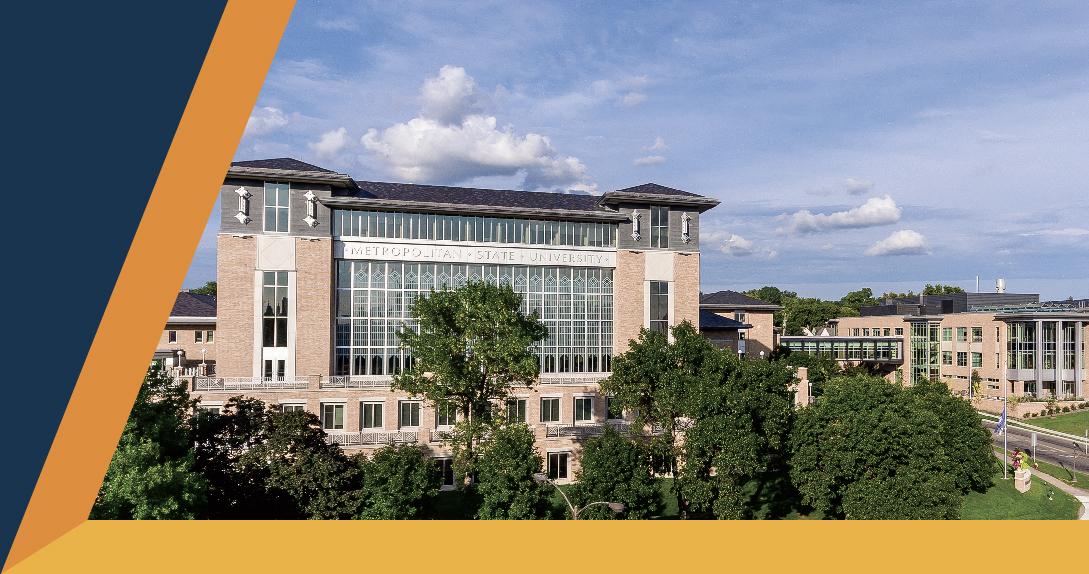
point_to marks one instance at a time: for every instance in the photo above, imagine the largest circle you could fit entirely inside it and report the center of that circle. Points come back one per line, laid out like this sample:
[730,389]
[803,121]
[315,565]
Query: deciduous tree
[508,461]
[399,482]
[615,468]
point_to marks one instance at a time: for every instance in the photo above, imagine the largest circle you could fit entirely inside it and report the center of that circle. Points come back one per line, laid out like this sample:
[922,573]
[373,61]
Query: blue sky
[851,144]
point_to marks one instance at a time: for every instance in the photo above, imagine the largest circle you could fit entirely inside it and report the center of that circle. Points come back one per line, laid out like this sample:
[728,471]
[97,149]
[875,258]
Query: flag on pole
[1001,426]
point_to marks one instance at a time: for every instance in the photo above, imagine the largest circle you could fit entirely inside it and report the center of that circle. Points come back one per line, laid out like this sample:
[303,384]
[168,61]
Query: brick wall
[628,298]
[313,306]
[686,277]
[235,264]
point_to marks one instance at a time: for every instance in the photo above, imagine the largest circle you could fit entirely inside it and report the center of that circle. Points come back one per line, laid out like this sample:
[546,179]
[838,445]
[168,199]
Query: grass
[1063,474]
[1003,502]
[1072,423]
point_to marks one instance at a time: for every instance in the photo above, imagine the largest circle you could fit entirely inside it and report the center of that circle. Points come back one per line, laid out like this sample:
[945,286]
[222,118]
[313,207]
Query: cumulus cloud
[452,141]
[903,242]
[854,186]
[265,120]
[876,211]
[658,145]
[649,160]
[330,143]
[735,245]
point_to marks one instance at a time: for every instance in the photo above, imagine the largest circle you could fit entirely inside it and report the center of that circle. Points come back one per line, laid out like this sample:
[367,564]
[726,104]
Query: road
[1048,449]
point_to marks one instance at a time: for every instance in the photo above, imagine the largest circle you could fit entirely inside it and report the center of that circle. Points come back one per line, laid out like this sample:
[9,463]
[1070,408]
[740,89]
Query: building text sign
[473,254]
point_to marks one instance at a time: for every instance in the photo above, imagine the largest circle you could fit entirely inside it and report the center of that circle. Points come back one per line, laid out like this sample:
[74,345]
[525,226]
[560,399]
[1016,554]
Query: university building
[317,271]
[1016,344]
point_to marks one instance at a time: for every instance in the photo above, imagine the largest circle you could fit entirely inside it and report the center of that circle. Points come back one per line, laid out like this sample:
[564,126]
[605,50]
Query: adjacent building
[317,271]
[1015,344]
[188,344]
[739,322]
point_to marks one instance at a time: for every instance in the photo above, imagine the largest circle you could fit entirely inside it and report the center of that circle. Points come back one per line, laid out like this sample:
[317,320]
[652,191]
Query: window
[445,415]
[854,332]
[445,468]
[276,207]
[739,316]
[210,409]
[997,335]
[274,369]
[613,410]
[885,332]
[977,334]
[198,336]
[550,410]
[292,408]
[659,227]
[371,416]
[557,465]
[332,416]
[899,332]
[409,415]
[659,306]
[962,334]
[866,332]
[947,358]
[516,410]
[947,333]
[997,362]
[962,359]
[274,308]
[171,336]
[209,336]
[977,359]
[584,409]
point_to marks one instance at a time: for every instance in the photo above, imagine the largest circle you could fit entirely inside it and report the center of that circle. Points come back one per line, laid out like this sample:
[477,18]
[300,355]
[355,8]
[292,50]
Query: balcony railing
[572,380]
[372,438]
[357,382]
[585,430]
[249,383]
[439,435]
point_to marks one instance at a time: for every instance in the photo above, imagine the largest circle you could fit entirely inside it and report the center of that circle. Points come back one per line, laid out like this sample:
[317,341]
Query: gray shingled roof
[475,196]
[193,305]
[655,189]
[281,163]
[730,298]
[710,321]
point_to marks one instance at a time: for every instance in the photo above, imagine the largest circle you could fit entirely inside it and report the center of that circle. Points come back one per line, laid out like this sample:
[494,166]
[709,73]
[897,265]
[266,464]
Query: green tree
[966,443]
[151,474]
[941,289]
[472,346]
[820,369]
[859,299]
[655,379]
[399,482]
[614,468]
[869,450]
[775,296]
[736,448]
[264,464]
[208,288]
[506,487]
[812,314]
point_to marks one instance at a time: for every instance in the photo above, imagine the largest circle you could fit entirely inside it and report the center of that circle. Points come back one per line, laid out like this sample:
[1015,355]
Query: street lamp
[541,478]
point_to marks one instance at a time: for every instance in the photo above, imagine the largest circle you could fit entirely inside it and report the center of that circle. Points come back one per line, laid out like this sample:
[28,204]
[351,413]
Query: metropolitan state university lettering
[474,254]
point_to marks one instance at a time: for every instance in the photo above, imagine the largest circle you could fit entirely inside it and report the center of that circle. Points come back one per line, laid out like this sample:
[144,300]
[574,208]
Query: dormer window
[659,227]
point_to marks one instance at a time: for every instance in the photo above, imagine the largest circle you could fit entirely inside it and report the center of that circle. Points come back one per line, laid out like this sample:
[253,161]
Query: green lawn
[1063,474]
[1003,502]
[1072,423]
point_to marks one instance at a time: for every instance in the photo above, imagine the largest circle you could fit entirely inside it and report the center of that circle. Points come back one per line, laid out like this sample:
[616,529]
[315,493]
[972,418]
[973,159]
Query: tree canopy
[472,344]
[615,468]
[209,288]
[506,487]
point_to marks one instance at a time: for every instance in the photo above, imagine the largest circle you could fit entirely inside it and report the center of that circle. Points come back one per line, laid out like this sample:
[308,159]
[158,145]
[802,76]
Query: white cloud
[631,99]
[658,145]
[876,211]
[265,120]
[650,160]
[331,143]
[903,242]
[735,245]
[854,186]
[450,141]
[450,96]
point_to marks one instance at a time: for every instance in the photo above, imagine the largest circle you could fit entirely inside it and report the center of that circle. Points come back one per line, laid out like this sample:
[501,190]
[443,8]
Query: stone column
[1079,363]
[1038,356]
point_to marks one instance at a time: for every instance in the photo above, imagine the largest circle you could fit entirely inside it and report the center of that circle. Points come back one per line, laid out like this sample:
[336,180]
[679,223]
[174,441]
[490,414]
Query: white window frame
[172,337]
[276,207]
[559,410]
[381,405]
[567,465]
[575,410]
[419,413]
[343,415]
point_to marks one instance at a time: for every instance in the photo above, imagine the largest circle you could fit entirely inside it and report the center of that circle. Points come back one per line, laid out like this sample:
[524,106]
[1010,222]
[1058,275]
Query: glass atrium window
[274,309]
[457,228]
[659,306]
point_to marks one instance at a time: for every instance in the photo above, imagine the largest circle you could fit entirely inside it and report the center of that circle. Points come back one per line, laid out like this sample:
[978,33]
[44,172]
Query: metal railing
[370,438]
[439,435]
[573,380]
[356,382]
[585,430]
[249,383]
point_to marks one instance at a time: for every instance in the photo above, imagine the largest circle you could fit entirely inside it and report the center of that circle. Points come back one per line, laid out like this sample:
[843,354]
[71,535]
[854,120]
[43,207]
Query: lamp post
[541,478]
